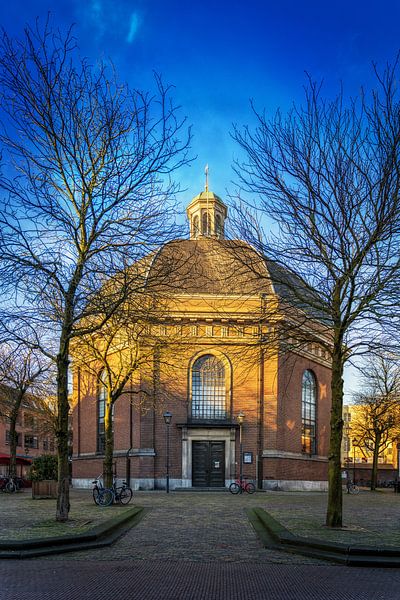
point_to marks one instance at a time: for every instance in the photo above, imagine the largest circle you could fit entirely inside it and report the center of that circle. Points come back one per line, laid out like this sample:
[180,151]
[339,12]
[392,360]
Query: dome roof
[209,266]
[227,268]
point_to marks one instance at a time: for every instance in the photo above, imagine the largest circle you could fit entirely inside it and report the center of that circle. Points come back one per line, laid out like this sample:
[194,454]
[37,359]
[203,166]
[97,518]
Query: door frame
[203,434]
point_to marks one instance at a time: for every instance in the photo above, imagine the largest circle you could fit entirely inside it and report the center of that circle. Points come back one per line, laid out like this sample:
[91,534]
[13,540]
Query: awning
[21,460]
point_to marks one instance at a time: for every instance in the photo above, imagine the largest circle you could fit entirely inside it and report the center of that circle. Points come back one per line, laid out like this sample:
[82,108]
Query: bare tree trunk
[109,444]
[335,498]
[374,474]
[63,504]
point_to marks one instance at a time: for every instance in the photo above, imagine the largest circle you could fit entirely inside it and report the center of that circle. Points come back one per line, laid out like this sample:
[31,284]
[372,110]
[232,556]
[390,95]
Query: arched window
[208,388]
[196,228]
[218,224]
[205,223]
[101,409]
[308,413]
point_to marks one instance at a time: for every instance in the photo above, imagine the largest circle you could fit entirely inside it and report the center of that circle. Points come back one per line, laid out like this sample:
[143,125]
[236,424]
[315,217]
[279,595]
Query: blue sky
[221,54]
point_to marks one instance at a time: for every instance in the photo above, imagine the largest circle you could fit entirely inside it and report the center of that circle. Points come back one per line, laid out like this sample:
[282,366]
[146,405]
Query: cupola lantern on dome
[207,214]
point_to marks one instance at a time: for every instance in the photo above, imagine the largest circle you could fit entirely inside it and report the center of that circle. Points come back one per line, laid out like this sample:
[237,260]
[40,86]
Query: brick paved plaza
[187,526]
[198,546]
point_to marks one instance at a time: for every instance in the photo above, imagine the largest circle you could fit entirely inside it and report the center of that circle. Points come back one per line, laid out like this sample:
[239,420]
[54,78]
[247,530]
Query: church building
[229,395]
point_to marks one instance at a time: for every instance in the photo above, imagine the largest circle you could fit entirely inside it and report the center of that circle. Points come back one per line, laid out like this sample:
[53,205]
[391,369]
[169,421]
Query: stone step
[200,489]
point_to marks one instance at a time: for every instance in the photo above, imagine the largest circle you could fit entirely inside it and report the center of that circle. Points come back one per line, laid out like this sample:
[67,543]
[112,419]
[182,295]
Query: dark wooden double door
[208,464]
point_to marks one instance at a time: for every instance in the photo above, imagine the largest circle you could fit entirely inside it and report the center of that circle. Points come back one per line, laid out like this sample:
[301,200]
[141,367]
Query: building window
[205,223]
[19,438]
[218,225]
[31,422]
[208,388]
[31,441]
[196,228]
[308,413]
[101,409]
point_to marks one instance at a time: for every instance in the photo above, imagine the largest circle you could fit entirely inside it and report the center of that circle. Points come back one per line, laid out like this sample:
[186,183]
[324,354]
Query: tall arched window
[218,224]
[196,227]
[308,413]
[208,388]
[205,223]
[101,409]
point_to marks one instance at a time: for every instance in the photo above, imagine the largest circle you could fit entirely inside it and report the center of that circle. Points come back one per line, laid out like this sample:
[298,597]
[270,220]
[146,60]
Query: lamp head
[167,417]
[240,418]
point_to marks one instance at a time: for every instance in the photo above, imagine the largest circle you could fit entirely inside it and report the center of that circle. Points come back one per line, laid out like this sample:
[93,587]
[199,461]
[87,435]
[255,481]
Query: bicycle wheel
[124,495]
[250,488]
[106,497]
[234,488]
[354,489]
[96,493]
[11,487]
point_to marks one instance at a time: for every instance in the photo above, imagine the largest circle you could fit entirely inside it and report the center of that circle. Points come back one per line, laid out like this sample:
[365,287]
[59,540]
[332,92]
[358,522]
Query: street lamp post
[398,460]
[354,442]
[240,419]
[167,418]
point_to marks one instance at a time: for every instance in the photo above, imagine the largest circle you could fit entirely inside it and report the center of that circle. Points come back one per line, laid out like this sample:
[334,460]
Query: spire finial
[206,172]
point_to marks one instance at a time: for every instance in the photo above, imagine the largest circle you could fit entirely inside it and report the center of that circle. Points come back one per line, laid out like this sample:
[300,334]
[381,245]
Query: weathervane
[206,172]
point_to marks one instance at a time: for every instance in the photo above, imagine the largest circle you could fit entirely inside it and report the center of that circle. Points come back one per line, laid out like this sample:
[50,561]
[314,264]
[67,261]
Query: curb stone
[99,536]
[268,528]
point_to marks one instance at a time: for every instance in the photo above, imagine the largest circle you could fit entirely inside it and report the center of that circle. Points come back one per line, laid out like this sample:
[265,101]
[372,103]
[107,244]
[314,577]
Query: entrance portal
[208,464]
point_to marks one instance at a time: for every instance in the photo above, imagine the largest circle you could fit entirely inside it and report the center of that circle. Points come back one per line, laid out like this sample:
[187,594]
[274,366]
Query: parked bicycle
[102,496]
[11,484]
[240,486]
[352,488]
[122,494]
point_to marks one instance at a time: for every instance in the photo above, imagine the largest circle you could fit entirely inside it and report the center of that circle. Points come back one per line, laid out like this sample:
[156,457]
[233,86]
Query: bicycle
[102,496]
[239,486]
[352,488]
[9,484]
[122,494]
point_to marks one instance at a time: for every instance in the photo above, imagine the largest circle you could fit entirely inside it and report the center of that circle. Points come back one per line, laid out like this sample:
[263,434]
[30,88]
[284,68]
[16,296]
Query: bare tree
[327,174]
[87,167]
[110,356]
[23,373]
[376,422]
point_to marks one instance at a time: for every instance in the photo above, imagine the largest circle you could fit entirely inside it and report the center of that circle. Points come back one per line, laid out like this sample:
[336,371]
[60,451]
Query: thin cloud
[133,29]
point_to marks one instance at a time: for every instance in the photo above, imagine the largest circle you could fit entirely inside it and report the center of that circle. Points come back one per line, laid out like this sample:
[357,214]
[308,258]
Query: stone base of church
[149,484]
[285,485]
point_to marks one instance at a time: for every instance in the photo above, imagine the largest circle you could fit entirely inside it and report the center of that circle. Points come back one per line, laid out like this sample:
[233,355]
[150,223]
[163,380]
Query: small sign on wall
[247,458]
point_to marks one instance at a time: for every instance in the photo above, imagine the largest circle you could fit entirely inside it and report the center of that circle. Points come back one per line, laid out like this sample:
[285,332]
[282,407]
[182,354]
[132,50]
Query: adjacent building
[357,457]
[35,437]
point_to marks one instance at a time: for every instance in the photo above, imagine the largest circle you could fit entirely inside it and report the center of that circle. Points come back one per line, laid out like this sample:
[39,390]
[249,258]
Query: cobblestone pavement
[194,527]
[206,526]
[201,546]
